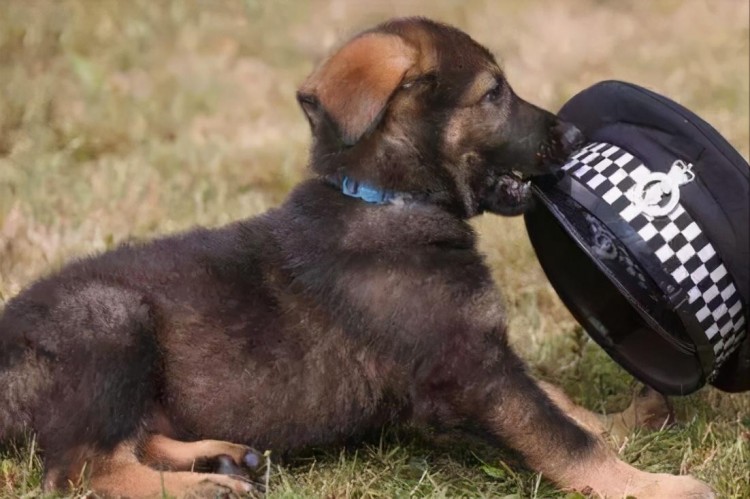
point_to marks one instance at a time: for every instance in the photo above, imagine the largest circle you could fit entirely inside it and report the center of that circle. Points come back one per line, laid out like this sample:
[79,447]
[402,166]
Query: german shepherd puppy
[360,301]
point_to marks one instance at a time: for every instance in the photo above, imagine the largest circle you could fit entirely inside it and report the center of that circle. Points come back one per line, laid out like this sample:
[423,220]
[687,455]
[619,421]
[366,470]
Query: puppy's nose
[571,138]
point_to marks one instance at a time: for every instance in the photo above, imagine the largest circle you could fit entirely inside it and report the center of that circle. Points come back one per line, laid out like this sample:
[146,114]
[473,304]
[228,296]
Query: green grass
[127,119]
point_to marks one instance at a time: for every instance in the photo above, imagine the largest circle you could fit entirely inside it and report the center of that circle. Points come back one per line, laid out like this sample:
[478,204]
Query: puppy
[361,301]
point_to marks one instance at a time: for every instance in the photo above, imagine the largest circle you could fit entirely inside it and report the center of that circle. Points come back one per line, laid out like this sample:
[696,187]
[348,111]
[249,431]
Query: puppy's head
[418,107]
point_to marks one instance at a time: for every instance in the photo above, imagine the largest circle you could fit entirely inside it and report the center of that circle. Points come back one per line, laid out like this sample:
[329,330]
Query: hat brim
[633,325]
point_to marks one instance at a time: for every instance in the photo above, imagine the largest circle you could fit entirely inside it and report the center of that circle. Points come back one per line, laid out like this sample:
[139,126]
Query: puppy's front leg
[509,405]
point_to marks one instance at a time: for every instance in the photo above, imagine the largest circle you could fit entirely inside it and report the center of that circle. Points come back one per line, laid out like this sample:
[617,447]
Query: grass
[129,119]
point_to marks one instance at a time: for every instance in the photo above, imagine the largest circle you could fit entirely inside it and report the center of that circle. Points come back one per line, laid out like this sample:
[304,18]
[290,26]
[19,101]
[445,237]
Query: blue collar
[368,193]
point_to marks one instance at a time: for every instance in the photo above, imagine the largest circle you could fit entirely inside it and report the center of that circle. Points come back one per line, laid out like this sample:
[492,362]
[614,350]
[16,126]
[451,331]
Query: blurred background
[127,119]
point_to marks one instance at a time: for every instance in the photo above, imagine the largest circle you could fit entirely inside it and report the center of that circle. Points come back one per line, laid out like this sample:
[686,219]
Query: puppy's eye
[494,93]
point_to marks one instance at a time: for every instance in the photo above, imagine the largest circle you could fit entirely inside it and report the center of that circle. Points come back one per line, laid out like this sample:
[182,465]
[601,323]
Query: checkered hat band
[675,238]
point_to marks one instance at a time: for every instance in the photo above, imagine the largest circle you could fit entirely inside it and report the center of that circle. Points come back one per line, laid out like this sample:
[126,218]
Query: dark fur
[314,322]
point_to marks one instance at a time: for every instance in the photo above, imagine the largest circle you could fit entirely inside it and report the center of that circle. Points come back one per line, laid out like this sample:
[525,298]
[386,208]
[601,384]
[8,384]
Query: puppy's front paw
[649,410]
[674,487]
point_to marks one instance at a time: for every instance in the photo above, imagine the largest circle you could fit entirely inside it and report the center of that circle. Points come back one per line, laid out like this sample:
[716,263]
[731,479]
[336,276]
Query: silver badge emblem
[658,194]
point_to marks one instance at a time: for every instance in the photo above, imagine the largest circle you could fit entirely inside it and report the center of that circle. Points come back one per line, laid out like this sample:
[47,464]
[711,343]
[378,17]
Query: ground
[128,119]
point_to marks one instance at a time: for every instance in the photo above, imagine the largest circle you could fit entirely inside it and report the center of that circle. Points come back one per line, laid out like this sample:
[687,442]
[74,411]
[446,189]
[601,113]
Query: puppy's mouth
[509,194]
[514,193]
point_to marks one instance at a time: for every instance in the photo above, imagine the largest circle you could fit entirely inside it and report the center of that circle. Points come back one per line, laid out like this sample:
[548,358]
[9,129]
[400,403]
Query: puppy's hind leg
[83,370]
[120,474]
[214,456]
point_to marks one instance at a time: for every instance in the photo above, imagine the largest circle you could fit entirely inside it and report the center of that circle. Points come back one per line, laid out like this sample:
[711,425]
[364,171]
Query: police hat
[645,238]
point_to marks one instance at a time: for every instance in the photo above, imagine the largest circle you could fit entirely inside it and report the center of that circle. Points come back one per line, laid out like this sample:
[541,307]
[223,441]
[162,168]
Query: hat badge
[658,194]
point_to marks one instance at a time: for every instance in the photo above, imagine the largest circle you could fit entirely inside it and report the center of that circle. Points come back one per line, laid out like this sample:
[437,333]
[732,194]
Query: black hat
[646,239]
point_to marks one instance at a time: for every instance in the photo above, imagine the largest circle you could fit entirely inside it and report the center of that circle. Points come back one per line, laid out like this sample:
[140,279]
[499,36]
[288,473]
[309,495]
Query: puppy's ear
[350,90]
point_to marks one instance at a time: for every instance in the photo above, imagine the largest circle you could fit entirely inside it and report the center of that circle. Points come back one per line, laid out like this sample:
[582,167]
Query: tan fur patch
[454,129]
